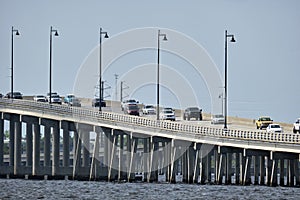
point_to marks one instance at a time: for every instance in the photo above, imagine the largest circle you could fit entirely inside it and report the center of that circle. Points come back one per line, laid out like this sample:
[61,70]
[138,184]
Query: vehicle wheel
[294,130]
[257,127]
[184,117]
[188,119]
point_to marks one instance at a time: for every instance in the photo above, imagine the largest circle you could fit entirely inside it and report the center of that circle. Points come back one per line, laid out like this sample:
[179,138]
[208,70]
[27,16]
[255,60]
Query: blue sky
[263,73]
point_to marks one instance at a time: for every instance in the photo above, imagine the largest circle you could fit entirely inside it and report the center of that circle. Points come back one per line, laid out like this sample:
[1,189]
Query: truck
[263,122]
[296,127]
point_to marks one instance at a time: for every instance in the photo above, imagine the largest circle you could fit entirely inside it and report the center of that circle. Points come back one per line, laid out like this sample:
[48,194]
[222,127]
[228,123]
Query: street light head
[106,35]
[232,39]
[56,33]
[165,38]
[17,33]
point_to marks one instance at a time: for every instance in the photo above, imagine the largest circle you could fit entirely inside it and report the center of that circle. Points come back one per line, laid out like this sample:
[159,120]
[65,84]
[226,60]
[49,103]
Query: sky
[263,64]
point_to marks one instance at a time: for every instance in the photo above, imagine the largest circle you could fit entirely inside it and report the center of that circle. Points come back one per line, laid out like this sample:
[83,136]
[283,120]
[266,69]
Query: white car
[274,128]
[167,115]
[217,119]
[55,99]
[149,110]
[296,127]
[40,98]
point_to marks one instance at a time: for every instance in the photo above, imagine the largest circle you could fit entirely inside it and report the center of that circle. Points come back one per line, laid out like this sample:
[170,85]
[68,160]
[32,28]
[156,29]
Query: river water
[66,189]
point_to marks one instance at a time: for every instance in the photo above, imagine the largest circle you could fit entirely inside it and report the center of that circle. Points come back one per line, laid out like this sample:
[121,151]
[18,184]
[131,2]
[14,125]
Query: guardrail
[194,131]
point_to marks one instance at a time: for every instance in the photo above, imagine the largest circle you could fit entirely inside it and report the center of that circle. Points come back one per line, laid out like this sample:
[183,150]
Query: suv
[296,127]
[96,102]
[263,122]
[192,112]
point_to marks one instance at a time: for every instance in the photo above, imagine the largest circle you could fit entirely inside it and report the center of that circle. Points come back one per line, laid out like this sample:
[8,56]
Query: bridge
[117,147]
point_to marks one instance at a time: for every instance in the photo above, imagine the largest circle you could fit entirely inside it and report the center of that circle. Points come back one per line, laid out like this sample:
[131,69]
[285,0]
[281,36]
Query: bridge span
[112,146]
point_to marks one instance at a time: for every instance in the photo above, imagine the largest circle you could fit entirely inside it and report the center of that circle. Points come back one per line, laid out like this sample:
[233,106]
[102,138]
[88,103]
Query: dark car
[132,109]
[192,112]
[15,95]
[1,95]
[96,103]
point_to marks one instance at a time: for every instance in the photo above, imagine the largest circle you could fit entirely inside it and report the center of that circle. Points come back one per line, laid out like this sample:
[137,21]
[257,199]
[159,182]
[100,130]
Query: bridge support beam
[146,157]
[17,147]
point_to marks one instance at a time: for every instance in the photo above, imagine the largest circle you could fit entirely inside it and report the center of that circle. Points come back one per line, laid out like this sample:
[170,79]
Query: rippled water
[65,189]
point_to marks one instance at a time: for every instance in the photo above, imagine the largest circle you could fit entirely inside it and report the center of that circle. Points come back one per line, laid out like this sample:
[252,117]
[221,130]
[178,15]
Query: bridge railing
[79,113]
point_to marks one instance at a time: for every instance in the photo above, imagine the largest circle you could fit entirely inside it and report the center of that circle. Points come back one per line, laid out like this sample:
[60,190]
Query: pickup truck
[296,127]
[263,122]
[126,102]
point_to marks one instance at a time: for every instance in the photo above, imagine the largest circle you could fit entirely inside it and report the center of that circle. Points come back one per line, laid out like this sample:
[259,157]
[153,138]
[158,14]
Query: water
[66,189]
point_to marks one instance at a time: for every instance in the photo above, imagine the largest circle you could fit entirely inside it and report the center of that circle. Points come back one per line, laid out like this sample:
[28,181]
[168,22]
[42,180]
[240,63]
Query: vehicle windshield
[275,126]
[54,96]
[266,119]
[40,96]
[149,106]
[168,111]
[194,109]
[218,116]
[132,107]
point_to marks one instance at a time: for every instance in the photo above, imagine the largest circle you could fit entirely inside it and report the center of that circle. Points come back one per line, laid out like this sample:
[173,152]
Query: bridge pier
[1,139]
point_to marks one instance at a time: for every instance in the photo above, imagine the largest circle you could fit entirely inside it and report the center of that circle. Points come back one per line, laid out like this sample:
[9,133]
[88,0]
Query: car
[15,95]
[167,115]
[263,122]
[168,108]
[52,94]
[40,98]
[68,98]
[1,96]
[296,127]
[192,112]
[218,119]
[129,101]
[74,102]
[55,98]
[96,102]
[149,110]
[132,109]
[274,128]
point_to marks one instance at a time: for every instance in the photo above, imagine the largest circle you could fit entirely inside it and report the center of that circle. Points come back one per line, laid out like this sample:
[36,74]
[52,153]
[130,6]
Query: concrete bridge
[117,147]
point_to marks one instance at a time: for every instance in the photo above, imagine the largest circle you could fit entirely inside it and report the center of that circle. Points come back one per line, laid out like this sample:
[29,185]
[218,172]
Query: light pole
[221,97]
[50,72]
[12,60]
[100,67]
[157,90]
[232,40]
